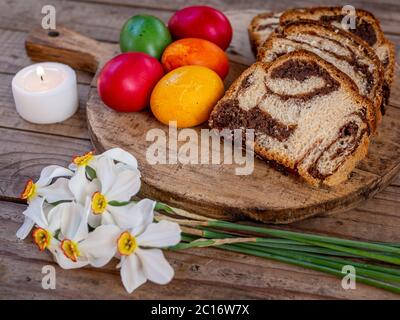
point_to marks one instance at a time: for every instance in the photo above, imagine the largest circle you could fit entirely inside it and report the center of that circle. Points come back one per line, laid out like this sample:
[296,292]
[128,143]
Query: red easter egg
[201,22]
[125,83]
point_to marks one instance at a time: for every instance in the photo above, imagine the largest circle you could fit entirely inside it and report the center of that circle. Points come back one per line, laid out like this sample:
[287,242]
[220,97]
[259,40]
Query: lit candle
[45,92]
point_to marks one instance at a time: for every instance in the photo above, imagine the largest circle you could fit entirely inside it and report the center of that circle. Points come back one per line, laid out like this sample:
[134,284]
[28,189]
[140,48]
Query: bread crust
[294,14]
[289,165]
[256,40]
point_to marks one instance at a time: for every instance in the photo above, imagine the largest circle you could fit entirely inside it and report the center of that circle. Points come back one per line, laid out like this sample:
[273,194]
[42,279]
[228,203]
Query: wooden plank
[386,11]
[200,274]
[104,21]
[226,4]
[24,154]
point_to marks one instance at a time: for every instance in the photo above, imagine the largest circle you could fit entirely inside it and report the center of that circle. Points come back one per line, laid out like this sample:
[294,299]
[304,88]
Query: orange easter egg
[194,51]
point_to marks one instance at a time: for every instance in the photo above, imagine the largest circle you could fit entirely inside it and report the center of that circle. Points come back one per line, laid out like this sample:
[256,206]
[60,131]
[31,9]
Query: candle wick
[41,78]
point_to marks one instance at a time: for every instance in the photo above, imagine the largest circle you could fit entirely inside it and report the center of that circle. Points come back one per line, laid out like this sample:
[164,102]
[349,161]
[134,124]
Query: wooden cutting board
[214,190]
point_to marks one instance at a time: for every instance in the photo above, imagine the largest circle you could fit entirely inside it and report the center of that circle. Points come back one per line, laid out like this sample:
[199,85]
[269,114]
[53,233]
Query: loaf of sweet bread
[367,28]
[307,115]
[345,51]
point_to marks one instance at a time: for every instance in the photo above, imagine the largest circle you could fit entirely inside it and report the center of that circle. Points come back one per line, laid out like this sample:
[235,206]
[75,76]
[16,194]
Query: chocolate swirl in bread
[307,116]
[346,52]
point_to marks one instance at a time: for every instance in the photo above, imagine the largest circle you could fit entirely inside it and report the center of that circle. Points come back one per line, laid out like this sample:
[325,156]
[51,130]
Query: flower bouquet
[87,217]
[87,214]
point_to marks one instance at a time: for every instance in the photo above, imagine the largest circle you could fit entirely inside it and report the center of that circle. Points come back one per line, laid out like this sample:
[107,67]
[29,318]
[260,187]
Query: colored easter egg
[126,81]
[186,95]
[145,33]
[194,51]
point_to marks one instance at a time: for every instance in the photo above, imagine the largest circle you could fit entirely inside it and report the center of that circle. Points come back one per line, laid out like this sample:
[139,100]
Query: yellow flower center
[127,244]
[70,249]
[42,238]
[83,160]
[29,191]
[99,203]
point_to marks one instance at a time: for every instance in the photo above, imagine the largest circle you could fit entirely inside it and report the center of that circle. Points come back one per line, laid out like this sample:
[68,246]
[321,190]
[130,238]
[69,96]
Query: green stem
[330,263]
[277,243]
[309,265]
[307,238]
[361,265]
[383,273]
[365,273]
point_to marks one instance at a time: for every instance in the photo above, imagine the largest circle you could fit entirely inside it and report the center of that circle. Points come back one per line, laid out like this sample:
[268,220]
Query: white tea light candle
[45,92]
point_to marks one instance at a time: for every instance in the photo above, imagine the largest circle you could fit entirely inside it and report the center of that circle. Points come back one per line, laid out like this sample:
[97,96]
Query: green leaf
[163,207]
[119,203]
[90,173]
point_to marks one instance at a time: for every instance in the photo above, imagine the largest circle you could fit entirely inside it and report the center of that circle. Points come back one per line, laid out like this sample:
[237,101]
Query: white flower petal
[122,216]
[54,246]
[67,263]
[57,191]
[107,218]
[121,156]
[55,215]
[72,166]
[71,216]
[133,215]
[106,173]
[78,184]
[145,209]
[73,221]
[94,220]
[132,274]
[50,172]
[83,229]
[161,234]
[126,185]
[35,212]
[155,266]
[100,245]
[25,229]
[99,262]
[93,187]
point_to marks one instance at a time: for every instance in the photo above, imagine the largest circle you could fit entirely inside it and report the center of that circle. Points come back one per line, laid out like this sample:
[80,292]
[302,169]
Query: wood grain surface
[200,273]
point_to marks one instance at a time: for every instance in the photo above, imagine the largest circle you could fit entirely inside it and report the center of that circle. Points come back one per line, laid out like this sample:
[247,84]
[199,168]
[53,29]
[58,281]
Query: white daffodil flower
[115,188]
[34,192]
[140,260]
[80,186]
[79,247]
[138,248]
[47,222]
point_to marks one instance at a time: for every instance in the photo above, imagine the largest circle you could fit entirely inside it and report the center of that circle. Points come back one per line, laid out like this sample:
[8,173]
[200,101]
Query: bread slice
[346,52]
[307,115]
[260,27]
[367,28]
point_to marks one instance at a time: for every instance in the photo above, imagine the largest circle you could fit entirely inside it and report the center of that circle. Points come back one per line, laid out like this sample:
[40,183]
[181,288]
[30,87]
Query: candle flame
[40,72]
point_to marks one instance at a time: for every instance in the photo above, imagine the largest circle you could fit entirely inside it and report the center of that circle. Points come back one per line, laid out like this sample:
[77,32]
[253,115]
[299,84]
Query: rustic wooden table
[200,273]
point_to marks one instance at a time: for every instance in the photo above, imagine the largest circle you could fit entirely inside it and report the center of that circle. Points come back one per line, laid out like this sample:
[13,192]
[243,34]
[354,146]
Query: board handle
[69,47]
